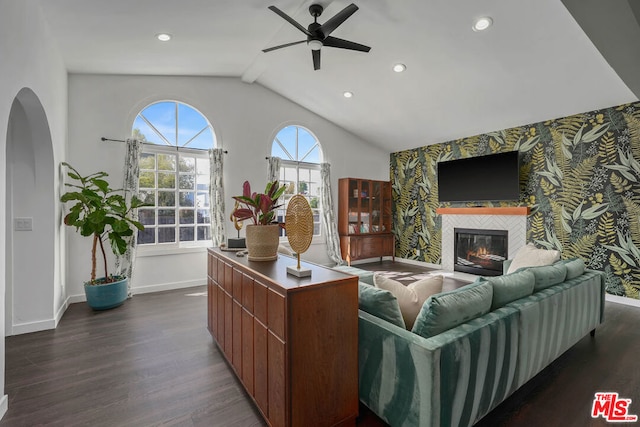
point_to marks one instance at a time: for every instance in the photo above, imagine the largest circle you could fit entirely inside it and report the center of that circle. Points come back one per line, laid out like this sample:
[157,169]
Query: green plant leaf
[120,226]
[118,244]
[101,184]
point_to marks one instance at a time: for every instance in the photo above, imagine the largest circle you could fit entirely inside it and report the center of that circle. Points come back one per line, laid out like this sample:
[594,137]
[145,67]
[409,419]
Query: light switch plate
[23,224]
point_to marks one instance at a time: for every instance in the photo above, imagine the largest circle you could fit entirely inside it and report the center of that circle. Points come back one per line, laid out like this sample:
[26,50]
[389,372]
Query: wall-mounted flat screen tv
[495,177]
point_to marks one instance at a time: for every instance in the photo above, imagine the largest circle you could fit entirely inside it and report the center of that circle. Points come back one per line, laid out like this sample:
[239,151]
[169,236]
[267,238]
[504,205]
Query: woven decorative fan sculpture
[299,225]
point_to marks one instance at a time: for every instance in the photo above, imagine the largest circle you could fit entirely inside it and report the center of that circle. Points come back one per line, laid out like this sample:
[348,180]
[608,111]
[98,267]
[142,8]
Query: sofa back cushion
[548,275]
[449,309]
[575,267]
[410,297]
[511,287]
[379,302]
[530,256]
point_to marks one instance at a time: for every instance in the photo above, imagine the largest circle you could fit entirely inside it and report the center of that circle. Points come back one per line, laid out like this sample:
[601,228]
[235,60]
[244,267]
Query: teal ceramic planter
[107,295]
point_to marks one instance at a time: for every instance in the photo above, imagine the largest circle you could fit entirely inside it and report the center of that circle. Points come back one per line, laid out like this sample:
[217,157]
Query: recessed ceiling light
[163,37]
[347,94]
[398,68]
[482,24]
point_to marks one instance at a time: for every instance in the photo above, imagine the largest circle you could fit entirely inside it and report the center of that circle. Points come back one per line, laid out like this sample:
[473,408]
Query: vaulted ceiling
[534,63]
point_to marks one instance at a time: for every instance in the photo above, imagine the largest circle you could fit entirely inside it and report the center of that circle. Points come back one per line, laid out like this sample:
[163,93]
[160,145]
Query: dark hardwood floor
[152,362]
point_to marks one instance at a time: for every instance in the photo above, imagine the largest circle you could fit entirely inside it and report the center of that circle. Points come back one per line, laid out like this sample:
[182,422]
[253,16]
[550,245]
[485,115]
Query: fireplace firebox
[480,252]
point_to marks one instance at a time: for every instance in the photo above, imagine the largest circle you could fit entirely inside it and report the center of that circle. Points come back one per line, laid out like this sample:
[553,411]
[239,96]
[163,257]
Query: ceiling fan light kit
[318,35]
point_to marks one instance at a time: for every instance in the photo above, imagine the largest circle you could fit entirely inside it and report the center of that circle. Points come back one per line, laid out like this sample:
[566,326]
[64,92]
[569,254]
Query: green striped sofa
[458,376]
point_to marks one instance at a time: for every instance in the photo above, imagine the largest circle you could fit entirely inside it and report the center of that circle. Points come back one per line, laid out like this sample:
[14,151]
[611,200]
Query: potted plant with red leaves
[263,236]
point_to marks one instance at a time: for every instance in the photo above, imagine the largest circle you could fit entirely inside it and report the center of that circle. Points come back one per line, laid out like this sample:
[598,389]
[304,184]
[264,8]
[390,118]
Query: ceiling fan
[318,35]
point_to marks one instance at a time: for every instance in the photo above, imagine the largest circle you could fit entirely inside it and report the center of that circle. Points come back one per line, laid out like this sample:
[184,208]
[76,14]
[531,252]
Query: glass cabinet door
[365,207]
[354,207]
[376,207]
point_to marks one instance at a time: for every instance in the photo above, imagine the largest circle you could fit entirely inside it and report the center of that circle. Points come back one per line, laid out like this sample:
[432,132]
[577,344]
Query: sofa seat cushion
[410,297]
[380,303]
[548,275]
[530,256]
[511,287]
[449,309]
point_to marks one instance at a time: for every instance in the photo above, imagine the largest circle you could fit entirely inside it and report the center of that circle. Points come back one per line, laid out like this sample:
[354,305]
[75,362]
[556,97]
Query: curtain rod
[177,148]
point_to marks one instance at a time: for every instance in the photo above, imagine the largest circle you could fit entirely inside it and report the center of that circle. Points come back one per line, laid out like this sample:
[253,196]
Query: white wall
[245,118]
[29,60]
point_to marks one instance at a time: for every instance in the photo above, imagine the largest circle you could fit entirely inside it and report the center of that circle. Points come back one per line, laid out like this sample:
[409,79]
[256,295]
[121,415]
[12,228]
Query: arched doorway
[30,213]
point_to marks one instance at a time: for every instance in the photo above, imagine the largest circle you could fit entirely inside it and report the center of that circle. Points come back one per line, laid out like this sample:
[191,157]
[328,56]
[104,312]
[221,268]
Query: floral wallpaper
[580,175]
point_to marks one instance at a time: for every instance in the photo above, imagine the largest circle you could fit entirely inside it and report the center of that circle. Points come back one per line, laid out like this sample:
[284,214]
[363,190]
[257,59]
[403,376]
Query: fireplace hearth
[479,251]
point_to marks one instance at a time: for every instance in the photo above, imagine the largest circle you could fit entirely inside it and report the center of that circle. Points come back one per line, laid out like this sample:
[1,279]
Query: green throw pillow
[575,267]
[449,309]
[511,287]
[548,275]
[380,303]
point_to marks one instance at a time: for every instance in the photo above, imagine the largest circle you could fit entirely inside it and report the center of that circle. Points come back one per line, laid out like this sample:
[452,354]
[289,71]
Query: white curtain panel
[125,263]
[216,196]
[274,169]
[328,217]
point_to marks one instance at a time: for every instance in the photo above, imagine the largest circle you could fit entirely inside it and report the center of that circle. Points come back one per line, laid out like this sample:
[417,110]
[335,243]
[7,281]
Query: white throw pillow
[530,256]
[410,297]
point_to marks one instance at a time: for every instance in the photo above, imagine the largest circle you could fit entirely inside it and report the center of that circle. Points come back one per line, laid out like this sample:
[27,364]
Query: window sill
[320,240]
[151,252]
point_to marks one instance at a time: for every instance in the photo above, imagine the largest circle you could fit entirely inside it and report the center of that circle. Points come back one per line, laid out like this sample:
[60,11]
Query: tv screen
[485,178]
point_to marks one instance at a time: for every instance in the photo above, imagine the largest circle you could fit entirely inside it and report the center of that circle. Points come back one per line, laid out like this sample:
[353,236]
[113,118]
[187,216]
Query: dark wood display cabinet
[364,219]
[292,342]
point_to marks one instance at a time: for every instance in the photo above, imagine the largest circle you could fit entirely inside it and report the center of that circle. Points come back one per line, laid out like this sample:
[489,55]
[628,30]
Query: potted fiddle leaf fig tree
[263,236]
[102,213]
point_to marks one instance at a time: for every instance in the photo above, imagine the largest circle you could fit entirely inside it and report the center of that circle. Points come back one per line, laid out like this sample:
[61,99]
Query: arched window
[174,174]
[301,156]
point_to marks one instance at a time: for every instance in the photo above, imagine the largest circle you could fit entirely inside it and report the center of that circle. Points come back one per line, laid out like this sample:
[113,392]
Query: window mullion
[166,141]
[195,136]
[177,125]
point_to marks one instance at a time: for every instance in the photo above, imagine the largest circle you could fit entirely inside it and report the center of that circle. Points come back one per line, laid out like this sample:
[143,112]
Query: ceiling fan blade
[290,20]
[345,44]
[282,45]
[333,23]
[316,59]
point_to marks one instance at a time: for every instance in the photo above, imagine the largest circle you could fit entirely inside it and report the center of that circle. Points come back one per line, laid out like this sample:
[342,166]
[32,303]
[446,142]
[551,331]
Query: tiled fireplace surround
[514,220]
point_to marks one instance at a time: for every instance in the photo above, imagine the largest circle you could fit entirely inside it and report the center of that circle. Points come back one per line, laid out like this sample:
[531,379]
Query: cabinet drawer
[276,314]
[260,302]
[370,247]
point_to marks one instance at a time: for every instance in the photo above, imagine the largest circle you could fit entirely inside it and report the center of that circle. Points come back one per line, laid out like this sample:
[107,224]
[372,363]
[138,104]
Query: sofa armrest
[453,378]
[505,265]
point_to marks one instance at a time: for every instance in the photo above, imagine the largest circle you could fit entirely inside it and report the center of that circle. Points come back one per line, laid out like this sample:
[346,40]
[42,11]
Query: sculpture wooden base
[299,272]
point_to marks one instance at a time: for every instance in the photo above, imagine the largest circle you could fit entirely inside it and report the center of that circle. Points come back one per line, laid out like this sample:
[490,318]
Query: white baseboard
[61,311]
[72,299]
[4,405]
[622,300]
[40,325]
[26,328]
[149,289]
[168,286]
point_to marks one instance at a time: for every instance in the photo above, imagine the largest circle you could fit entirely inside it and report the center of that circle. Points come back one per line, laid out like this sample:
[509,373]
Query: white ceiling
[534,63]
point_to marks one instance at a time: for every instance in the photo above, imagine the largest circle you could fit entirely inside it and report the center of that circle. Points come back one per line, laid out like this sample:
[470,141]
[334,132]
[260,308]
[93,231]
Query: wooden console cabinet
[364,219]
[292,342]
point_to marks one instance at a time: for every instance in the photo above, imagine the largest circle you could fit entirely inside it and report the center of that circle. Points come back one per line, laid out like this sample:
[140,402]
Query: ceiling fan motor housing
[315,10]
